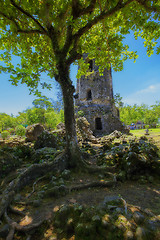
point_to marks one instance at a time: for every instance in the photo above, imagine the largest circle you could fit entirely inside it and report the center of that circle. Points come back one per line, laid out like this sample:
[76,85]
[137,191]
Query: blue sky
[138,83]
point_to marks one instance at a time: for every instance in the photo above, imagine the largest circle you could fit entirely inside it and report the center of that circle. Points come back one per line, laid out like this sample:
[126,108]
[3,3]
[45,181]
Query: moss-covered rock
[43,154]
[45,139]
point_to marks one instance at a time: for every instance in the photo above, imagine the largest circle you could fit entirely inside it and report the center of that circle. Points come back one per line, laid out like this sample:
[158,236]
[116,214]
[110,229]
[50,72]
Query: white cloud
[148,95]
[150,89]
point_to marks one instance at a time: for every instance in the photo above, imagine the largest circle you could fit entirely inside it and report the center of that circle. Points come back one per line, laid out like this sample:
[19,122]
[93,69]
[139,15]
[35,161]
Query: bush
[5,134]
[80,113]
[11,131]
[20,130]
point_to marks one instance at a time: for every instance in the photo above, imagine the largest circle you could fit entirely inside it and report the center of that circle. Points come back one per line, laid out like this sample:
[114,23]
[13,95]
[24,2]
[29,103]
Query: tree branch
[53,36]
[147,7]
[68,41]
[30,31]
[28,15]
[74,55]
[11,19]
[100,17]
[89,9]
[77,11]
[19,30]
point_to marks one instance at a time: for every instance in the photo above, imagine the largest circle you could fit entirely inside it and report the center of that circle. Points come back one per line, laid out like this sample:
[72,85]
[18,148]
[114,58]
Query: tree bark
[72,148]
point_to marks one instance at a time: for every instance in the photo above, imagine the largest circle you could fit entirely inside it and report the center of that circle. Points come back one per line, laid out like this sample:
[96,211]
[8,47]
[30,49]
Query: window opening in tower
[89,95]
[98,124]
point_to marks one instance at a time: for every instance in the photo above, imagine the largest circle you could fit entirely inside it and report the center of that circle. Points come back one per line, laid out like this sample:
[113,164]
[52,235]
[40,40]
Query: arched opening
[89,95]
[98,123]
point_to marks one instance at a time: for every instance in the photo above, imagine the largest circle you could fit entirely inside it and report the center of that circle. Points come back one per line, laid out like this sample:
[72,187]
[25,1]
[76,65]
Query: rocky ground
[120,202]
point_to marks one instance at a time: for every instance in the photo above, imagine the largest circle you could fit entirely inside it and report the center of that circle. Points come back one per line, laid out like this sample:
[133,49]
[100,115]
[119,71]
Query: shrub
[20,130]
[5,134]
[80,113]
[11,131]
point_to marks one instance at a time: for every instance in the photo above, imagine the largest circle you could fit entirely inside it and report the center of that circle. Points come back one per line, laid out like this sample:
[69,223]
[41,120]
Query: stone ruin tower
[94,96]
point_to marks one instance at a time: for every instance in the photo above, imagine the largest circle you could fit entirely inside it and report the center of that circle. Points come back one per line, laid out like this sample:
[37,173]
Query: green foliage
[35,115]
[61,115]
[144,113]
[21,119]
[23,152]
[118,100]
[80,113]
[6,121]
[42,102]
[53,118]
[11,130]
[5,134]
[43,35]
[31,116]
[20,130]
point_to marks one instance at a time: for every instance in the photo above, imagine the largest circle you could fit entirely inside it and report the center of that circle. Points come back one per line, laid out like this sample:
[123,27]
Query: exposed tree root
[28,176]
[11,209]
[94,184]
[34,174]
[29,195]
[89,168]
[9,178]
[15,226]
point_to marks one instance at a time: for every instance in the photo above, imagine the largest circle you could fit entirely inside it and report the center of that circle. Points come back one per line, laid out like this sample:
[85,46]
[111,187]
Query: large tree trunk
[72,149]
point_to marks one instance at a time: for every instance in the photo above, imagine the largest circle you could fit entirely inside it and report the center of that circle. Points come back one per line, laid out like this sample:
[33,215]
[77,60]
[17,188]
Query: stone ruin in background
[94,96]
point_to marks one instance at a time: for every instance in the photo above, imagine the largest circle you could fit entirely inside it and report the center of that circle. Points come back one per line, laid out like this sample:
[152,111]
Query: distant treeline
[51,116]
[48,117]
[150,115]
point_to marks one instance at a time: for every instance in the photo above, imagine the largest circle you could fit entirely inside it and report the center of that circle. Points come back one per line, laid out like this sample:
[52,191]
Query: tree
[49,36]
[6,121]
[118,100]
[35,115]
[53,118]
[42,102]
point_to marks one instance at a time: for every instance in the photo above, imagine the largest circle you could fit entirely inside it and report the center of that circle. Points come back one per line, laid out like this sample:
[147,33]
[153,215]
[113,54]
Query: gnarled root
[28,176]
[84,166]
[15,226]
[93,184]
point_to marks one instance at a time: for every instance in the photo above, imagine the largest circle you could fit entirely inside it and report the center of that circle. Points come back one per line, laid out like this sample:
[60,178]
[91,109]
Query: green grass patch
[154,133]
[143,131]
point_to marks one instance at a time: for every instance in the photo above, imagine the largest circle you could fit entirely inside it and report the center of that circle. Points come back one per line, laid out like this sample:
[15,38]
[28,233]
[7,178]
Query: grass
[154,133]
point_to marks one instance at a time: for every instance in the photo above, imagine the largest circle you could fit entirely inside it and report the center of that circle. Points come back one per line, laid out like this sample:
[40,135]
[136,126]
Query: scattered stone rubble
[113,218]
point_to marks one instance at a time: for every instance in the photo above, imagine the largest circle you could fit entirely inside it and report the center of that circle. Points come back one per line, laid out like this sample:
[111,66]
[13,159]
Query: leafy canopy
[47,34]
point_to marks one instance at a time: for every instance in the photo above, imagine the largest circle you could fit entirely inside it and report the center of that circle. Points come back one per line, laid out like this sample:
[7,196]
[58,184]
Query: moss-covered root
[93,185]
[27,177]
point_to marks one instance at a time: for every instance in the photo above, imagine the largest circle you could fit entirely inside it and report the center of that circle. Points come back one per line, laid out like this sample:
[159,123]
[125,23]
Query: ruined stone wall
[108,121]
[100,87]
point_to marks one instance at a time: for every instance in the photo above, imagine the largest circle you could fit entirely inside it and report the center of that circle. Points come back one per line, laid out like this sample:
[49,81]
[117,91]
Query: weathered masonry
[95,98]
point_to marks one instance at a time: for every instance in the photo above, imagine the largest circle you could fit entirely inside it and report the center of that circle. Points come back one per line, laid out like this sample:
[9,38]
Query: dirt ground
[144,196]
